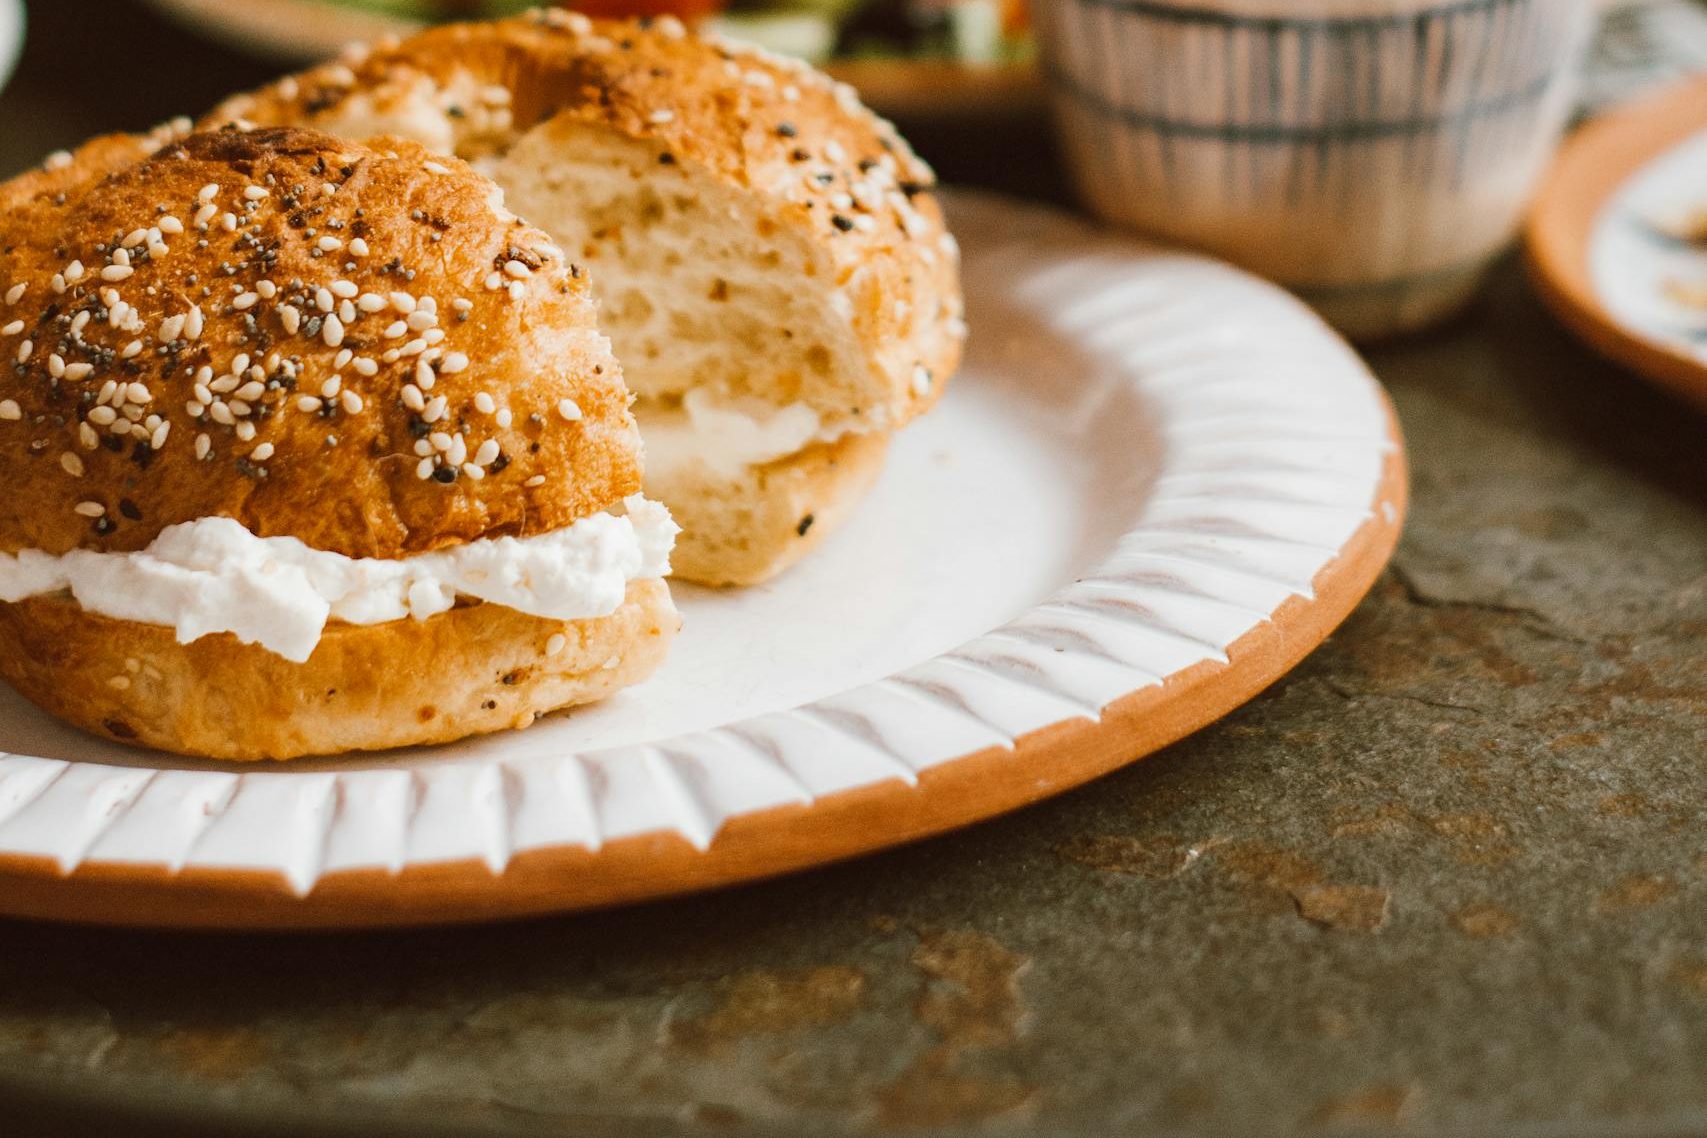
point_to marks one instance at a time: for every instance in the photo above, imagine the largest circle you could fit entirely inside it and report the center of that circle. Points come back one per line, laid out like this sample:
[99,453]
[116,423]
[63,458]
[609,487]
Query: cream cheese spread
[726,437]
[213,575]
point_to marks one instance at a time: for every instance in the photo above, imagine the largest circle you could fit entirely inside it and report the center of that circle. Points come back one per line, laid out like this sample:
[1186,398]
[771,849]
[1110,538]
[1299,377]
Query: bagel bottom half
[741,529]
[474,669]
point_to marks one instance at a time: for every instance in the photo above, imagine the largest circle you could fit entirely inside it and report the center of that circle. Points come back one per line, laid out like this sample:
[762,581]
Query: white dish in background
[1149,457]
[11,37]
[1632,259]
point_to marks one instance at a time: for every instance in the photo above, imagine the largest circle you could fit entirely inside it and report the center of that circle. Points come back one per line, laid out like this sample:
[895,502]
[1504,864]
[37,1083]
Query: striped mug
[1373,155]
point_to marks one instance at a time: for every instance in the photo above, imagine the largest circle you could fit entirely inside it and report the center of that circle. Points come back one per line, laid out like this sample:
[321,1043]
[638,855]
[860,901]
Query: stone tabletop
[1447,878]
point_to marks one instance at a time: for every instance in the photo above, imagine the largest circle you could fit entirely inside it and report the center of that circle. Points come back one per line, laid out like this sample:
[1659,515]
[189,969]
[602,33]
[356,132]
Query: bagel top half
[352,345]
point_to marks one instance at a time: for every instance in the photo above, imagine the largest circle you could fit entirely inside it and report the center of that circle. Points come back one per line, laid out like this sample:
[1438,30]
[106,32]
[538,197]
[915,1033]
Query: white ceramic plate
[1597,236]
[1634,261]
[1157,480]
[11,36]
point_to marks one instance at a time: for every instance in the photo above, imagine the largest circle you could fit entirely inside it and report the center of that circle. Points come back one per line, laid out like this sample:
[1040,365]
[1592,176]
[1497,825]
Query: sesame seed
[556,643]
[661,117]
[440,440]
[343,359]
[435,409]
[435,167]
[569,409]
[536,480]
[262,453]
[505,418]
[58,283]
[221,414]
[93,510]
[462,304]
[193,322]
[115,273]
[396,330]
[458,452]
[131,350]
[308,403]
[102,415]
[15,293]
[424,469]
[365,366]
[352,402]
[255,193]
[74,271]
[921,380]
[424,376]
[204,215]
[158,440]
[421,319]
[245,430]
[119,683]
[246,301]
[473,471]
[332,331]
[71,464]
[171,226]
[517,290]
[517,270]
[412,397]
[208,192]
[10,410]
[347,312]
[331,387]
[291,318]
[266,289]
[25,349]
[324,300]
[58,160]
[488,452]
[251,392]
[412,348]
[76,373]
[485,403]
[228,222]
[132,239]
[171,328]
[13,328]
[423,448]
[87,436]
[203,445]
[403,302]
[371,302]
[358,247]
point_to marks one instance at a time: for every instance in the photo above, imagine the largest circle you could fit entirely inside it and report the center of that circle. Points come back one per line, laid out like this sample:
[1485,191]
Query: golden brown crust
[103,410]
[741,531]
[826,167]
[471,670]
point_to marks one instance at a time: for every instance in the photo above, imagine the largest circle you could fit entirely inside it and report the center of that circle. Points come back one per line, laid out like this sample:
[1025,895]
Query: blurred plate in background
[11,36]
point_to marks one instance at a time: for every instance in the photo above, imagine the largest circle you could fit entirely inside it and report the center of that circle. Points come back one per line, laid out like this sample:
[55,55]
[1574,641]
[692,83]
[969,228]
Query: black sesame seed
[130,509]
[786,129]
[445,474]
[842,223]
[805,524]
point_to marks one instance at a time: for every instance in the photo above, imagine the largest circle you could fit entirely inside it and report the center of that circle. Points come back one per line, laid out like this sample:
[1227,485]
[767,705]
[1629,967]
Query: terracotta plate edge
[1591,167]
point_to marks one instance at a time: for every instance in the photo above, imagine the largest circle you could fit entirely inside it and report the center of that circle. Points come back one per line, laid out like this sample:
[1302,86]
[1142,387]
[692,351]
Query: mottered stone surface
[1449,877]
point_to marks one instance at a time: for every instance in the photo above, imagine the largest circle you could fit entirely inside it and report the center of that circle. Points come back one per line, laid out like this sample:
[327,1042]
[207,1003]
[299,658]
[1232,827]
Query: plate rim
[1591,167]
[954,789]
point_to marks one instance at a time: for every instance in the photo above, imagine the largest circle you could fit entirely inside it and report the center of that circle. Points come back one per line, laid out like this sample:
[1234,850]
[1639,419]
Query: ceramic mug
[1373,155]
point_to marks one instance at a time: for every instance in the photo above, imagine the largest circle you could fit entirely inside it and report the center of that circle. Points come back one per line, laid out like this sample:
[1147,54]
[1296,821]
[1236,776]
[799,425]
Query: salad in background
[906,56]
[970,32]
